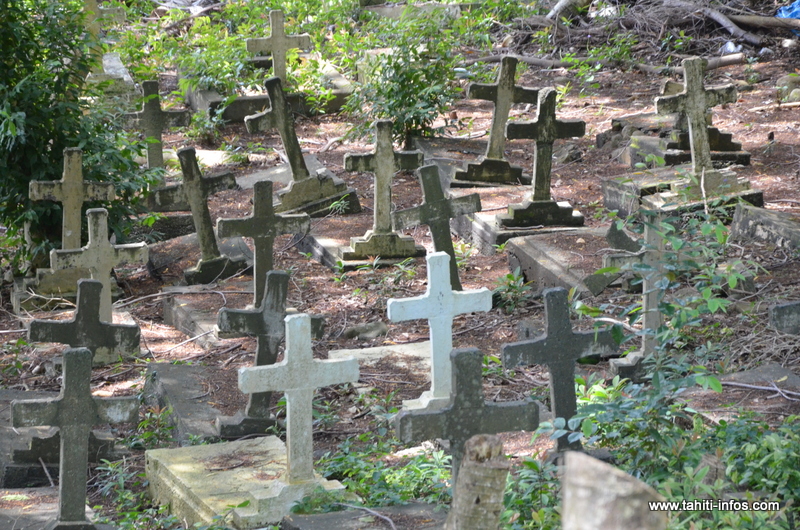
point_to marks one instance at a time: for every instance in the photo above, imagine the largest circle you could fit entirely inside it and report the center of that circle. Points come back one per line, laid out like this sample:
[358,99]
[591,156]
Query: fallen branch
[542,63]
[756,21]
[713,63]
[758,387]
[719,18]
[776,106]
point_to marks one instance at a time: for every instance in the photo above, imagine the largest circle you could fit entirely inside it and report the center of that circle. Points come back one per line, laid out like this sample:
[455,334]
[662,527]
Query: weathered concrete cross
[74,412]
[212,265]
[558,349]
[504,94]
[436,211]
[544,131]
[278,43]
[263,226]
[105,340]
[153,120]
[693,102]
[298,375]
[466,414]
[383,162]
[100,257]
[439,305]
[71,191]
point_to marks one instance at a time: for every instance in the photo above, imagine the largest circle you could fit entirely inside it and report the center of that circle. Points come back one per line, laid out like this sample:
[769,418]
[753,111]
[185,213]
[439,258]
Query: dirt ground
[771,136]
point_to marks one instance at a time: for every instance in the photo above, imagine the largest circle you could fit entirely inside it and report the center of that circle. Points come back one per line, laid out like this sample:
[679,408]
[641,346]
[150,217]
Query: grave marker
[297,376]
[212,265]
[71,191]
[263,226]
[383,162]
[438,305]
[312,193]
[153,120]
[267,324]
[74,412]
[105,340]
[436,211]
[467,414]
[541,209]
[100,257]
[504,94]
[558,349]
[278,43]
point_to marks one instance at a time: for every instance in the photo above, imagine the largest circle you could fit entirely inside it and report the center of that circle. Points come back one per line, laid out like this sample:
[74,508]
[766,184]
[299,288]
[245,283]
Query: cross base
[208,271]
[545,213]
[60,525]
[629,367]
[388,246]
[673,202]
[240,425]
[492,170]
[316,195]
[426,401]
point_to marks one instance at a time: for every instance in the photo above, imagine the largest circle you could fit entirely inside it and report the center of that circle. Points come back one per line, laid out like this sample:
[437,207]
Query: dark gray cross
[71,191]
[558,349]
[467,414]
[263,226]
[544,131]
[383,163]
[504,94]
[694,102]
[279,116]
[196,197]
[86,330]
[153,121]
[436,211]
[74,412]
[278,43]
[268,326]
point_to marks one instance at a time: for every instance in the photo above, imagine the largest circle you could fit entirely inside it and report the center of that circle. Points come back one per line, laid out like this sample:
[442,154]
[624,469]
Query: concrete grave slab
[779,228]
[34,508]
[414,516]
[165,253]
[119,82]
[415,357]
[202,481]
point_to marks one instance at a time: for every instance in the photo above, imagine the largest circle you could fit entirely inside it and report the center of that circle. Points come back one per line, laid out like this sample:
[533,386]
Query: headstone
[310,193]
[263,226]
[598,496]
[383,162]
[558,349]
[438,305]
[107,342]
[298,375]
[436,211]
[153,120]
[467,414]
[75,412]
[100,257]
[212,265]
[267,324]
[694,103]
[278,43]
[785,317]
[504,94]
[71,191]
[541,209]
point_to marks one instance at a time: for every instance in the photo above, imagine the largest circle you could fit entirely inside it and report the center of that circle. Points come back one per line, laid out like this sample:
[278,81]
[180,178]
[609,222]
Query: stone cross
[436,211]
[278,43]
[504,94]
[104,339]
[544,131]
[100,257]
[263,226]
[267,324]
[298,375]
[71,191]
[558,349]
[693,103]
[153,121]
[439,305]
[467,414]
[74,412]
[383,163]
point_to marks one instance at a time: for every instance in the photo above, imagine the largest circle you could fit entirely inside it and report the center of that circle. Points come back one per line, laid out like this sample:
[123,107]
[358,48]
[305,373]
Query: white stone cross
[278,43]
[100,257]
[71,191]
[298,375]
[439,305]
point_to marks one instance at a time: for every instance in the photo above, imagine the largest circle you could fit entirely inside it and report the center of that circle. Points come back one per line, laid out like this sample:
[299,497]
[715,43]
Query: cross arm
[117,410]
[260,122]
[570,128]
[294,223]
[526,95]
[240,320]
[419,425]
[670,104]
[44,191]
[132,252]
[465,205]
[472,301]
[177,118]
[409,160]
[408,309]
[486,92]
[408,217]
[63,259]
[509,416]
[360,162]
[52,331]
[522,130]
[523,353]
[721,94]
[35,412]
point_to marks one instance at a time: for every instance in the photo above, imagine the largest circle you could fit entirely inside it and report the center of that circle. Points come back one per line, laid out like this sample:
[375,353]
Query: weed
[339,207]
[340,275]
[463,252]
[512,291]
[154,430]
